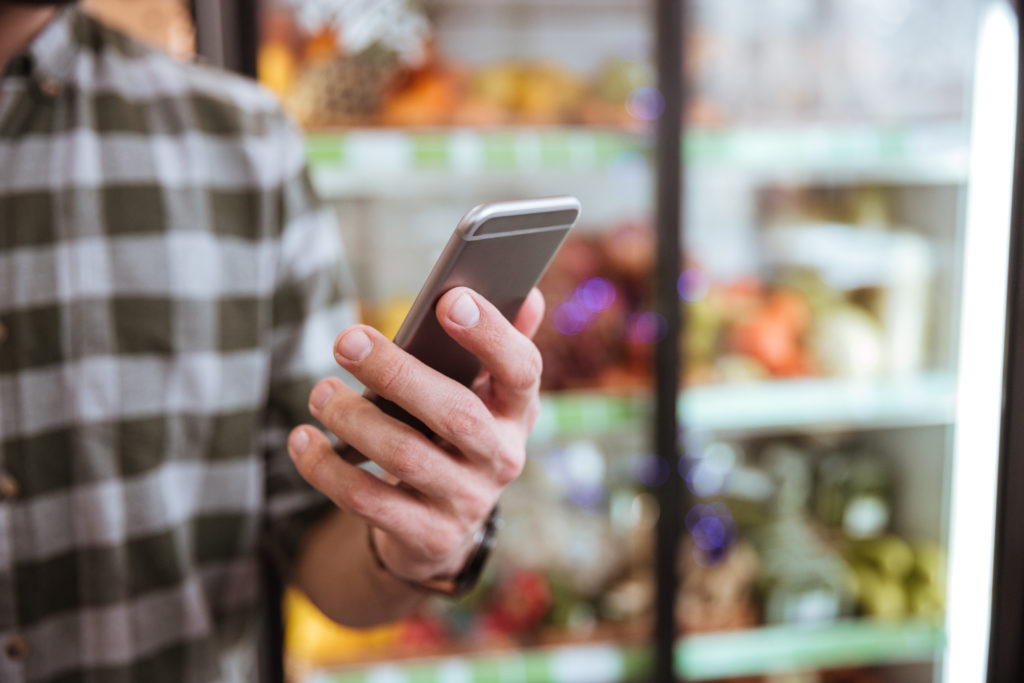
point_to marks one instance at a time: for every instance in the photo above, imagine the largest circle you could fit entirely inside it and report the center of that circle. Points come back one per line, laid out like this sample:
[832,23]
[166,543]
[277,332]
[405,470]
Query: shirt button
[16,648]
[9,488]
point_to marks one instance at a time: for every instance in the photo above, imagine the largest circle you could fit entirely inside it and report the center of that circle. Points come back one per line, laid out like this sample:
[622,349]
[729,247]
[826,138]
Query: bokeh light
[708,558]
[709,474]
[693,284]
[578,470]
[646,327]
[709,533]
[712,527]
[591,298]
[595,295]
[586,496]
[569,318]
[695,514]
[707,478]
[645,104]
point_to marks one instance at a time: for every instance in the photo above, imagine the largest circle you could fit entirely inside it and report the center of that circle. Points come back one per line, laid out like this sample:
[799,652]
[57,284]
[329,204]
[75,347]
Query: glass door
[844,292]
[415,112]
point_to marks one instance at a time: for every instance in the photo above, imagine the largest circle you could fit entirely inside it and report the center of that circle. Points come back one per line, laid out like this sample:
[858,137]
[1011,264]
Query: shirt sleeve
[312,302]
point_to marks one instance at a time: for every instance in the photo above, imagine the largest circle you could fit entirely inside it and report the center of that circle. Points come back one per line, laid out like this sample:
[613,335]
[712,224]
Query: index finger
[507,353]
[531,314]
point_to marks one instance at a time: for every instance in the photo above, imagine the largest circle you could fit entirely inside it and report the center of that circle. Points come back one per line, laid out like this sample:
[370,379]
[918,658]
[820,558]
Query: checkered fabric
[169,292]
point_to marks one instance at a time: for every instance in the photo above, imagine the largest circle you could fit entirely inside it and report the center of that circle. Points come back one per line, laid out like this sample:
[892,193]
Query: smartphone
[498,249]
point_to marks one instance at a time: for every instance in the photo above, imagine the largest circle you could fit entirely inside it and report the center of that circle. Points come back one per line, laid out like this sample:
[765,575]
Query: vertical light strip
[982,330]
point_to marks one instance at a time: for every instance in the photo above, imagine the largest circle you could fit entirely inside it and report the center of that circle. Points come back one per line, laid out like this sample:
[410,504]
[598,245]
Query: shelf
[922,400]
[780,649]
[583,412]
[381,162]
[386,161]
[801,404]
[573,5]
[775,649]
[578,664]
[929,153]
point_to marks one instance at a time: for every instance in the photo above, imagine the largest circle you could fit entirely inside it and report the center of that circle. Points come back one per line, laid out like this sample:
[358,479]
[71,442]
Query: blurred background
[827,149]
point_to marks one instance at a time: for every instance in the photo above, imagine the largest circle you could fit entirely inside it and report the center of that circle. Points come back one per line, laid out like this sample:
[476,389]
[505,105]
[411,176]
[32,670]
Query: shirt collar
[50,58]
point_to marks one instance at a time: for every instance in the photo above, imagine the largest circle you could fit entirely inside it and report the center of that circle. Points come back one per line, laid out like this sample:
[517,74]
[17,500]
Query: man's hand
[425,517]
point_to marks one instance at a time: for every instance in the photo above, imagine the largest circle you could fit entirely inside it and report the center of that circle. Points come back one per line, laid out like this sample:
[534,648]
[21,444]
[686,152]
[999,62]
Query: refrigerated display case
[842,288]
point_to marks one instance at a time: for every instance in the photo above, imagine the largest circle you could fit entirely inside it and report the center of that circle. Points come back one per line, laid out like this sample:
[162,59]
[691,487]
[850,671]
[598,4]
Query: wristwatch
[467,577]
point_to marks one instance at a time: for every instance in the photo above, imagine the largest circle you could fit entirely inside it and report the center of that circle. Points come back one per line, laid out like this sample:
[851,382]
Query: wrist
[456,583]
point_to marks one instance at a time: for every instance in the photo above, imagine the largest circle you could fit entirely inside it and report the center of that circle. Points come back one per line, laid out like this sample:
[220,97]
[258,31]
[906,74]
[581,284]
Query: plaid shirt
[169,292]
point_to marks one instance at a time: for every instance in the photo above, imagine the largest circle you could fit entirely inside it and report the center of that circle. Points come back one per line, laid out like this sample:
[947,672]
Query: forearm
[337,572]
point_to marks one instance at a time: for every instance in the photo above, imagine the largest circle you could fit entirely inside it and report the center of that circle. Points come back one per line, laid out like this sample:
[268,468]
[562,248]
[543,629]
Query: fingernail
[355,345]
[298,441]
[321,392]
[464,311]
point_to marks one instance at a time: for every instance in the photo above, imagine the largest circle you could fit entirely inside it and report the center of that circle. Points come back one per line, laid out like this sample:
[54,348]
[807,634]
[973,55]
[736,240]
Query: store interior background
[827,157]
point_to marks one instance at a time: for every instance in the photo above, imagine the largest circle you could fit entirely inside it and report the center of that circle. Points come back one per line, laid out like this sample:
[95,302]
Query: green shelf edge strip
[326,150]
[582,413]
[502,150]
[555,150]
[431,151]
[773,649]
[780,649]
[928,398]
[588,663]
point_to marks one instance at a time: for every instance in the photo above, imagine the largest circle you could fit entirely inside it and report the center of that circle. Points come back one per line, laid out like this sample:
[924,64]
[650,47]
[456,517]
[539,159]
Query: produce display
[820,521]
[352,62]
[793,322]
[780,531]
[369,90]
[329,73]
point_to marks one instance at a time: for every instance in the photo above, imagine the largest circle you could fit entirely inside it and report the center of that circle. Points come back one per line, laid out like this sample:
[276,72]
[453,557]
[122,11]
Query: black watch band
[468,576]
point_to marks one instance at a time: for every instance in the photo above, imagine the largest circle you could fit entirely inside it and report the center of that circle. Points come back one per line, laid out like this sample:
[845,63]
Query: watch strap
[467,577]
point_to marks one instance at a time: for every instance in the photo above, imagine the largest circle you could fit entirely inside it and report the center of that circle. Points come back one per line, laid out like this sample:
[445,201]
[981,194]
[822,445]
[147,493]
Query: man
[169,294]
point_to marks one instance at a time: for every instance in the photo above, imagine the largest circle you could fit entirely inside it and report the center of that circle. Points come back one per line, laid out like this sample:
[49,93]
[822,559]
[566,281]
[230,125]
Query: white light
[982,326]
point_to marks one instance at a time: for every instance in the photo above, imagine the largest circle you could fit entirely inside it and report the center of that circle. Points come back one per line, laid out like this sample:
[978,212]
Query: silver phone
[499,249]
